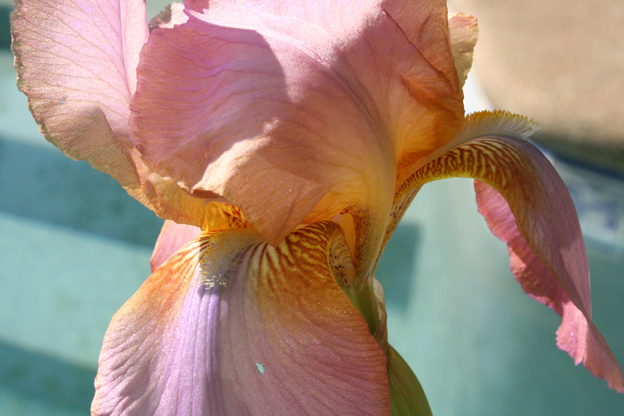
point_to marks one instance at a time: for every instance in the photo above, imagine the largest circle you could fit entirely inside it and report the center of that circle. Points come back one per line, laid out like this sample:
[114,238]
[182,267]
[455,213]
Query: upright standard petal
[290,106]
[464,31]
[527,205]
[232,326]
[76,62]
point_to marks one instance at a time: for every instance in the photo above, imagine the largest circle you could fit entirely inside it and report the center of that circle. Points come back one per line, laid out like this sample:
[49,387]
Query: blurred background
[74,246]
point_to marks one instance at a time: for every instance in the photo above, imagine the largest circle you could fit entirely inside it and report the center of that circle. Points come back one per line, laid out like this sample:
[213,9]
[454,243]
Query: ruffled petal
[527,205]
[232,326]
[283,109]
[425,25]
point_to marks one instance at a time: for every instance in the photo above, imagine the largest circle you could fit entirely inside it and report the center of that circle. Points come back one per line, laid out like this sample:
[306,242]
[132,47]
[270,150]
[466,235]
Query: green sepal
[407,397]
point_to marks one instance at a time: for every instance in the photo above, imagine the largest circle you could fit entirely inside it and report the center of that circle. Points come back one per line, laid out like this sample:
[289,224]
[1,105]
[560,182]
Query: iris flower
[283,141]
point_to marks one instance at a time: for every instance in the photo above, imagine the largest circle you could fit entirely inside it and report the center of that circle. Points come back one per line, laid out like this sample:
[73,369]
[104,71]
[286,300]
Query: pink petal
[77,62]
[527,205]
[425,24]
[577,334]
[231,326]
[172,237]
[281,108]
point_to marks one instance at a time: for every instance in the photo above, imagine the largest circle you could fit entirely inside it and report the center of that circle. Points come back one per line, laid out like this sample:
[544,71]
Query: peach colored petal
[464,31]
[76,63]
[229,325]
[527,205]
[577,334]
[171,238]
[284,111]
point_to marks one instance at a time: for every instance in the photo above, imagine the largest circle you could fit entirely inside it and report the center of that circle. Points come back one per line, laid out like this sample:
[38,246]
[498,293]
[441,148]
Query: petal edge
[527,205]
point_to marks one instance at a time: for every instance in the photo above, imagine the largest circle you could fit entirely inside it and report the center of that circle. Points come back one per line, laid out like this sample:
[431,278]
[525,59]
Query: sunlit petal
[289,107]
[231,326]
[535,215]
[76,62]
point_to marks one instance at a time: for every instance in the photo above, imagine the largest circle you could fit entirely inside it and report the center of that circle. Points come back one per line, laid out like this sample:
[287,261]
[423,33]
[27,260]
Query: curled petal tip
[578,336]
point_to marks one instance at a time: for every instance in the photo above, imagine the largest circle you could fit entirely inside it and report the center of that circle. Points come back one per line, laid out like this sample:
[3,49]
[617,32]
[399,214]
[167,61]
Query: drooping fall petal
[577,334]
[288,105]
[232,326]
[527,205]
